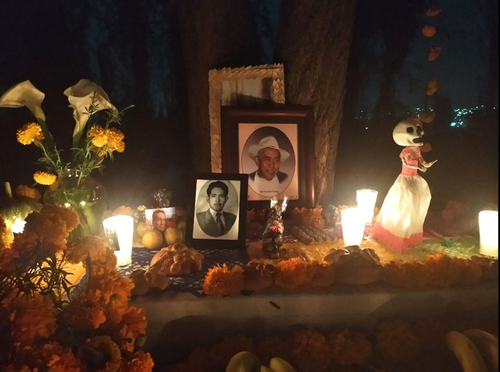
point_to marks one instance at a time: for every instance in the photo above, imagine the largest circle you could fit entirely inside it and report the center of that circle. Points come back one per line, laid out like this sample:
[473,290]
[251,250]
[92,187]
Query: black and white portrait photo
[268,154]
[216,209]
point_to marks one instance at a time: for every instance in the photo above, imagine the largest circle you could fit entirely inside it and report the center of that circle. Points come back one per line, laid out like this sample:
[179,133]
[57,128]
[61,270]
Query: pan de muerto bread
[176,260]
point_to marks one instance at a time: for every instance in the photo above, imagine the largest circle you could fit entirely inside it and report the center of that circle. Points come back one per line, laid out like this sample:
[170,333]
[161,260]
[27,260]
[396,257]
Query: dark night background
[133,50]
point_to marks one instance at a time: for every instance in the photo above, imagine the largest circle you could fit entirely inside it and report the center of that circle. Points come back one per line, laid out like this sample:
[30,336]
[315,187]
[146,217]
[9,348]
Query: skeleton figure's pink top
[412,154]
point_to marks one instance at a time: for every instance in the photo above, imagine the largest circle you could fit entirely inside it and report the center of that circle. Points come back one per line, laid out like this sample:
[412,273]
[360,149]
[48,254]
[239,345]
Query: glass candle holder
[488,233]
[366,200]
[119,230]
[353,226]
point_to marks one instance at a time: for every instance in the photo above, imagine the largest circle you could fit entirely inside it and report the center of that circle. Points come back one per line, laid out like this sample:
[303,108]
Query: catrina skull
[408,132]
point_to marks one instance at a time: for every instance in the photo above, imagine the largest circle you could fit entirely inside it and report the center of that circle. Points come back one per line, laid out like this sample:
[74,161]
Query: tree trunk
[215,34]
[314,40]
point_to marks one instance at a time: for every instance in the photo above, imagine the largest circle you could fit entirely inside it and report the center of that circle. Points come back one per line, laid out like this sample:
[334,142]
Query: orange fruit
[152,239]
[141,228]
[173,235]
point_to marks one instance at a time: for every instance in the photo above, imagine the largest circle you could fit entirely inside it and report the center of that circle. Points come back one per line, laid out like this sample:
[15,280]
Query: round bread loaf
[355,266]
[257,276]
[177,260]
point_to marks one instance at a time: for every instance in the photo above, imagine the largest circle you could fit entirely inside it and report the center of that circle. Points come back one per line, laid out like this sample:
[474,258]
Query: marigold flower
[25,243]
[60,358]
[8,258]
[100,140]
[310,351]
[32,317]
[85,313]
[50,227]
[291,274]
[109,349]
[469,271]
[27,192]
[92,245]
[349,347]
[220,281]
[440,271]
[44,178]
[396,342]
[111,284]
[321,274]
[141,362]
[132,325]
[95,131]
[29,133]
[115,139]
[409,274]
[68,215]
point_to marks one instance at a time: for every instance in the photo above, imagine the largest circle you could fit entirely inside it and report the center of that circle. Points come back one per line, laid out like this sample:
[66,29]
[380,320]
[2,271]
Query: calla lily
[80,98]
[24,94]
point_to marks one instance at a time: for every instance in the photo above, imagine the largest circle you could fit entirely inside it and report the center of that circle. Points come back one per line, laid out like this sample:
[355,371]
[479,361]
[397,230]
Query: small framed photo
[218,212]
[159,218]
[275,147]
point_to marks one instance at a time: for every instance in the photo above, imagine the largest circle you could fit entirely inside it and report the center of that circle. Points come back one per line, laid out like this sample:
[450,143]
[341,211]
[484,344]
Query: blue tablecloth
[193,283]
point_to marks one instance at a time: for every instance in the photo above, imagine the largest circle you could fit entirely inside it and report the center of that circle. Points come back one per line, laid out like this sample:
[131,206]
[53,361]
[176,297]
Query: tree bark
[215,34]
[314,41]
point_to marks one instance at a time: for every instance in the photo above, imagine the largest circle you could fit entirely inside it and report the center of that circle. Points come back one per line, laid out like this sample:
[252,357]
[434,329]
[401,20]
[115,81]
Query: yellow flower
[115,139]
[27,192]
[98,136]
[44,178]
[95,130]
[29,133]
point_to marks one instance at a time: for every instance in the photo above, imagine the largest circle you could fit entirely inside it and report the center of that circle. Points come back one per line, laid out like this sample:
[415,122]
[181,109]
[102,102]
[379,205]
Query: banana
[486,344]
[280,365]
[244,361]
[263,368]
[466,352]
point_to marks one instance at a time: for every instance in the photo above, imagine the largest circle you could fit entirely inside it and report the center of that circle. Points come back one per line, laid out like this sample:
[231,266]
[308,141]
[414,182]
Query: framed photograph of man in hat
[218,213]
[274,146]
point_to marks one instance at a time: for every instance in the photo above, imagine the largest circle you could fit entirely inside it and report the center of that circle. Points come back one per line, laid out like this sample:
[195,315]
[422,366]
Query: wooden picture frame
[233,86]
[202,230]
[245,130]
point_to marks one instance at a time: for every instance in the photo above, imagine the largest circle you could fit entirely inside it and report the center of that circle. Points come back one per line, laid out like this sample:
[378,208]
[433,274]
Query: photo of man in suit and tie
[215,221]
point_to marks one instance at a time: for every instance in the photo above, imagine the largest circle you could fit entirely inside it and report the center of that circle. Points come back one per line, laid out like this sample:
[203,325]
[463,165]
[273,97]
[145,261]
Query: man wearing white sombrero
[268,156]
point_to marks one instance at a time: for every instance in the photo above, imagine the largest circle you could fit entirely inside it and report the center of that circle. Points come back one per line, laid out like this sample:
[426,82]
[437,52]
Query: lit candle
[18,226]
[120,232]
[353,226]
[366,200]
[488,233]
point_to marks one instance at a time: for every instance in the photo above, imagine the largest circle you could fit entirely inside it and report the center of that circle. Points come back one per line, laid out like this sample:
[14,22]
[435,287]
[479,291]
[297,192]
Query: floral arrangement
[92,142]
[47,321]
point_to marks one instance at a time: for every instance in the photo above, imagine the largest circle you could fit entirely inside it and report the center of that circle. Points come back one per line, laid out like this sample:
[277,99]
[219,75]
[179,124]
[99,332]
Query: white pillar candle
[488,233]
[120,233]
[366,200]
[353,226]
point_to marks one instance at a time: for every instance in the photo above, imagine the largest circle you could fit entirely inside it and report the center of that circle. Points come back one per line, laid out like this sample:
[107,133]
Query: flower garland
[436,271]
[393,345]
